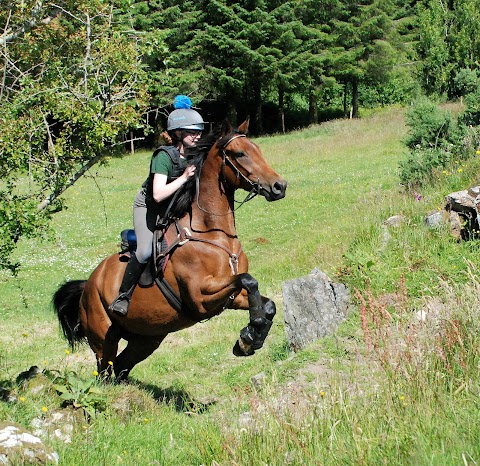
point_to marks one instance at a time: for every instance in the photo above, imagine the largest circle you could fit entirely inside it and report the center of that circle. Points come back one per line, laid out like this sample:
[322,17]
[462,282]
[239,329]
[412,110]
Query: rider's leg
[130,279]
[137,263]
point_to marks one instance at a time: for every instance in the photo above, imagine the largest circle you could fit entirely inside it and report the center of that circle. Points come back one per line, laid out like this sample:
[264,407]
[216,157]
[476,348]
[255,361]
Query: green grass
[393,392]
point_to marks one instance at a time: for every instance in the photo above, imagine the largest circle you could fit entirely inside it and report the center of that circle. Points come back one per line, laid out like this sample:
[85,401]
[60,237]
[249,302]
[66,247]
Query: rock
[313,308]
[18,446]
[395,221]
[474,192]
[58,424]
[258,381]
[436,219]
[461,201]
[456,223]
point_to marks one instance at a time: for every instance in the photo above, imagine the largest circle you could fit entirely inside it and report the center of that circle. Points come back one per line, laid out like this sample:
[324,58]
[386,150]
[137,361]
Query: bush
[430,126]
[471,115]
[434,137]
[422,165]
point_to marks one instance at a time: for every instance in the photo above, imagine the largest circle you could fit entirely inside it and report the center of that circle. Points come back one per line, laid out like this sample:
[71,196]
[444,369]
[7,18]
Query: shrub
[422,165]
[430,126]
[471,116]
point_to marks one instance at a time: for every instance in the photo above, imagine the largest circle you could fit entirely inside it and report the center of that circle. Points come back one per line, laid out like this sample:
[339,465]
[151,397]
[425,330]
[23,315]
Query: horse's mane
[196,156]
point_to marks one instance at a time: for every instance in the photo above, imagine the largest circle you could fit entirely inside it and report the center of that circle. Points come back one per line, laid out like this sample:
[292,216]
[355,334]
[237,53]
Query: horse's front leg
[215,294]
[262,311]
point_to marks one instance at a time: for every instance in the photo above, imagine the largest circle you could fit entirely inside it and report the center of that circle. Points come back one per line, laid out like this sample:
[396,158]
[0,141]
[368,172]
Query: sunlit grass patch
[391,389]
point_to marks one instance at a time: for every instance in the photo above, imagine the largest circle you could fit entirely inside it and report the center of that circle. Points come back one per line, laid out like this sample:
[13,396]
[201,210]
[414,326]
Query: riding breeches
[144,222]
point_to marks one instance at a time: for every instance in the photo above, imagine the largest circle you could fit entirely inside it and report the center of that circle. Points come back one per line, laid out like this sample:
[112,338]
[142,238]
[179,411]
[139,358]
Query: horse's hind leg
[139,347]
[103,337]
[107,351]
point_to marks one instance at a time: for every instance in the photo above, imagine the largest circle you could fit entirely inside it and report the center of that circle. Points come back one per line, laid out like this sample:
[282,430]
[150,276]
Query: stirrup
[120,304]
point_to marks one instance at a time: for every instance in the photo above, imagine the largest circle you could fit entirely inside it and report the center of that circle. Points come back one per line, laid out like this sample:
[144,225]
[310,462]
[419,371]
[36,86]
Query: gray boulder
[314,306]
[18,446]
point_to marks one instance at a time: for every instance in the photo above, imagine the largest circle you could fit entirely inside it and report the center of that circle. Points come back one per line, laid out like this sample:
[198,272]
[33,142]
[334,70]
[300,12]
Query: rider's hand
[189,172]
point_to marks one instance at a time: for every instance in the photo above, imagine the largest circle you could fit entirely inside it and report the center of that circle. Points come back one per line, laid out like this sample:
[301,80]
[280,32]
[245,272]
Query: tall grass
[397,384]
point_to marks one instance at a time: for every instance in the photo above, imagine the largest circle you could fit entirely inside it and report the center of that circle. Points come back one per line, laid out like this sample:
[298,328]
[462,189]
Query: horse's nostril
[279,187]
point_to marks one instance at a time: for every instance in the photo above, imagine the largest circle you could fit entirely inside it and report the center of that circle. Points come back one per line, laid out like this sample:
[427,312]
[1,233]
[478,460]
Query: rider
[169,171]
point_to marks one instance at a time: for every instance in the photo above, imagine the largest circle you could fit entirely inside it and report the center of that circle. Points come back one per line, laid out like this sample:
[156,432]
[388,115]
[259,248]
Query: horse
[207,271]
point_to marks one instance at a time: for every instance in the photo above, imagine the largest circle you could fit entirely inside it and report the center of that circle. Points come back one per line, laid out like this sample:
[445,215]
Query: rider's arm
[162,190]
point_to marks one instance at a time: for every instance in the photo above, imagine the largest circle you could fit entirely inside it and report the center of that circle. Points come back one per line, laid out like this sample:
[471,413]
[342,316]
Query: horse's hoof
[257,345]
[240,350]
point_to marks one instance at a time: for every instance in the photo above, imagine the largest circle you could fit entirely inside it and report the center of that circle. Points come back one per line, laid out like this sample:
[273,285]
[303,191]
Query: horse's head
[244,166]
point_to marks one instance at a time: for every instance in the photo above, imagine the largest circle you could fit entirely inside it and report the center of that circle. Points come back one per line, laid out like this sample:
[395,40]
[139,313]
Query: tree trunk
[232,112]
[312,107]
[258,108]
[355,99]
[281,113]
[345,92]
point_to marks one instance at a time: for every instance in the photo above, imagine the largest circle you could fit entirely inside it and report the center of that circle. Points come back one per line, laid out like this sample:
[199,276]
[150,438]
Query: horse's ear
[243,128]
[226,127]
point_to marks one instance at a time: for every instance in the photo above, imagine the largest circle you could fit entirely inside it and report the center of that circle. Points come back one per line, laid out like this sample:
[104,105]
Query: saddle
[161,252]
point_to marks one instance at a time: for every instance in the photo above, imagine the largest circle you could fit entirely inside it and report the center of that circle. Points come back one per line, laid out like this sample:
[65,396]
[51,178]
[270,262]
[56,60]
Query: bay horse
[207,271]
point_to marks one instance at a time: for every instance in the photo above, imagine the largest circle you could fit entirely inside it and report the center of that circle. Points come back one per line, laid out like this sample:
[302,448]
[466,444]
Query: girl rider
[184,129]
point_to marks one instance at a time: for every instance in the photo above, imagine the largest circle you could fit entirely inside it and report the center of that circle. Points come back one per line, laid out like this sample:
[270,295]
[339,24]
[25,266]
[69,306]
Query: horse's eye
[239,154]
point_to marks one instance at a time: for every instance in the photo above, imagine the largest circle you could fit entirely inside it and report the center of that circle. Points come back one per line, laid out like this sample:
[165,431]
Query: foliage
[435,141]
[79,392]
[448,42]
[77,78]
[72,88]
[471,115]
[429,125]
[423,165]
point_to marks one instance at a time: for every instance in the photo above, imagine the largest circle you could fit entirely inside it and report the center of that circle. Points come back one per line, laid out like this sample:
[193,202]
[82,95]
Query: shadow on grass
[179,398]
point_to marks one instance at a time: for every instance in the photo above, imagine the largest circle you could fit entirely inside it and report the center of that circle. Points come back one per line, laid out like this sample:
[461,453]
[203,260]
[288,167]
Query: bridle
[254,187]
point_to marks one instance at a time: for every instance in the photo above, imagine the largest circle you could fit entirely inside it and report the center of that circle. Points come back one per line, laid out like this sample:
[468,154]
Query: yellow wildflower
[22,399]
[95,373]
[67,351]
[110,363]
[44,409]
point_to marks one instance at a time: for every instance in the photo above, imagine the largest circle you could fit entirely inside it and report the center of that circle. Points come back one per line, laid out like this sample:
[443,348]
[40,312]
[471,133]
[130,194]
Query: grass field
[386,389]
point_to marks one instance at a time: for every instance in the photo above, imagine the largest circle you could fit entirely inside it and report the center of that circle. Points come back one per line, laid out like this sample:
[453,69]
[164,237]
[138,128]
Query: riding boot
[130,279]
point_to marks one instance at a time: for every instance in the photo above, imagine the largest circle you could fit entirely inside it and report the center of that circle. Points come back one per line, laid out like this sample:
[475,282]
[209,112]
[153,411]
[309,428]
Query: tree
[72,85]
[367,45]
[434,24]
[449,44]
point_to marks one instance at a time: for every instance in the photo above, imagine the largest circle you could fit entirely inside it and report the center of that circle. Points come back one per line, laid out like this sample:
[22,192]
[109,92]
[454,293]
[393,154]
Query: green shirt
[161,163]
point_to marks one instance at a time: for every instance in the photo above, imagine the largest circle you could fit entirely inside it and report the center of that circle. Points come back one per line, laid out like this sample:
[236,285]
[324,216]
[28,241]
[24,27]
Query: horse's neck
[212,208]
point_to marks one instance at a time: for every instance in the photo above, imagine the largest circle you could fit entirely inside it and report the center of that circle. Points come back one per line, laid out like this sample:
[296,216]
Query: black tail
[66,302]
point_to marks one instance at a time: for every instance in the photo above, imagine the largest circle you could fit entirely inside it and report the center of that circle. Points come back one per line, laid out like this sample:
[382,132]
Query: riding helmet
[184,117]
